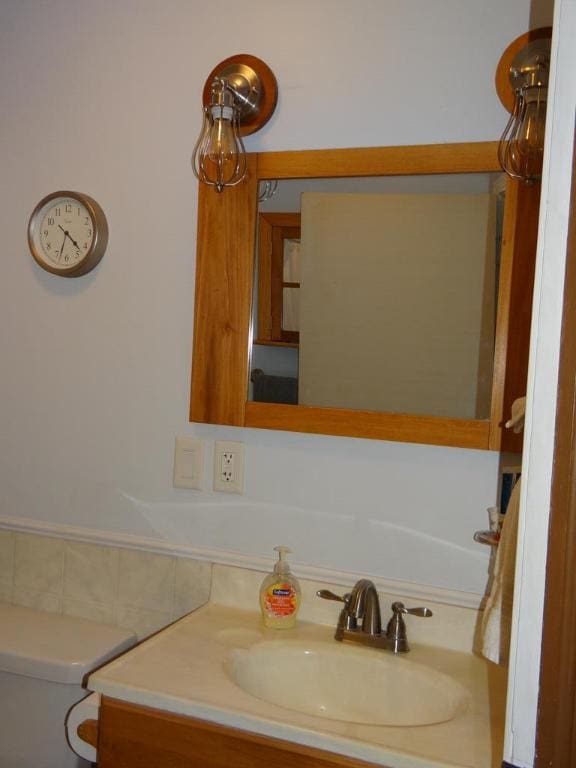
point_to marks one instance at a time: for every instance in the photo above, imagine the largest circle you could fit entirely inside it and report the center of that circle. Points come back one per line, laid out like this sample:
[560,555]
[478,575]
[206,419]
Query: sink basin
[348,683]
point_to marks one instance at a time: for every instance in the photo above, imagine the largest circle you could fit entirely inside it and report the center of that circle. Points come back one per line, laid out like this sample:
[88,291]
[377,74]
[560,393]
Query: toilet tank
[44,658]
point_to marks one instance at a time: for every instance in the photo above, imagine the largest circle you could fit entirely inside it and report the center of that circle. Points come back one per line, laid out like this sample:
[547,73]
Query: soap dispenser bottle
[280,594]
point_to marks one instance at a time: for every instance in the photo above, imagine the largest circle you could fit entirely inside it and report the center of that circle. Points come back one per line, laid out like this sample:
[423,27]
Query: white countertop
[181,670]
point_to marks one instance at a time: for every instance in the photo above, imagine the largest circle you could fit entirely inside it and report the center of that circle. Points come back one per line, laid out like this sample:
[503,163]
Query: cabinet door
[131,736]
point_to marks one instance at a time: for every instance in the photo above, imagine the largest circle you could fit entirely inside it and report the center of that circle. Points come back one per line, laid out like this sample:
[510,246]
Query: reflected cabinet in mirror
[381,293]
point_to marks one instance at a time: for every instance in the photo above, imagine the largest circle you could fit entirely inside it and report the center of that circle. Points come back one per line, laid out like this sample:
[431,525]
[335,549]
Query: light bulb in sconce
[239,98]
[521,147]
[219,158]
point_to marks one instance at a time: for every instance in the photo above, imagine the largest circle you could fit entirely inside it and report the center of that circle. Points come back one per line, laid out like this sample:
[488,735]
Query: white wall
[103,97]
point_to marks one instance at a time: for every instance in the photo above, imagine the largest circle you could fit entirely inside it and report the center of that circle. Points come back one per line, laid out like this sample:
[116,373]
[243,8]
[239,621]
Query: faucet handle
[345,620]
[401,608]
[396,629]
[327,595]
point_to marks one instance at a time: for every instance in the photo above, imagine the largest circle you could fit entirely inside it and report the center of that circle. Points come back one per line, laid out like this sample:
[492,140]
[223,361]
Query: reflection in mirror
[379,294]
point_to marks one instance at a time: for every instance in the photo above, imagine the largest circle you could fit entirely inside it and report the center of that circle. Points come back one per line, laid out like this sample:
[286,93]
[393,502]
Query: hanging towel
[497,618]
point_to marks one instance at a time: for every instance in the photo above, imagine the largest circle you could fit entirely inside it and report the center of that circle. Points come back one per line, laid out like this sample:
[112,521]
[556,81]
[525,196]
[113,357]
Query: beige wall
[395,316]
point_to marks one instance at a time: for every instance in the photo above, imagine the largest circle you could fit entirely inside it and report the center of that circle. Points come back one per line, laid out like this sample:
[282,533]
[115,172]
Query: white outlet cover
[188,463]
[228,466]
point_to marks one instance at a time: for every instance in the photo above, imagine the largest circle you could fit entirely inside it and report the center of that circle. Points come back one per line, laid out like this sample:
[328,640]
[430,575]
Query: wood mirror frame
[224,290]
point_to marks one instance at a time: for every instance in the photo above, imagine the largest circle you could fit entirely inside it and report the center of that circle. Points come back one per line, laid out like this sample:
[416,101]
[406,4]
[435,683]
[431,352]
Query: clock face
[67,233]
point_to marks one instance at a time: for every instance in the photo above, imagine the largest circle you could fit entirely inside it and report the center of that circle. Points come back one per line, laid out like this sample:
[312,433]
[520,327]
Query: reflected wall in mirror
[384,298]
[227,321]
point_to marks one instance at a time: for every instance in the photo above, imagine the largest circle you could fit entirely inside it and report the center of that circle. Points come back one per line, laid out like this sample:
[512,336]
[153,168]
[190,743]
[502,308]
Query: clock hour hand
[74,242]
[67,235]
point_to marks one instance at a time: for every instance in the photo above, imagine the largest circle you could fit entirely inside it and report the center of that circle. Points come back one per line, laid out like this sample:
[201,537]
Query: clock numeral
[89,233]
[68,208]
[45,233]
[66,258]
[86,219]
[50,221]
[48,246]
[57,212]
[78,210]
[85,246]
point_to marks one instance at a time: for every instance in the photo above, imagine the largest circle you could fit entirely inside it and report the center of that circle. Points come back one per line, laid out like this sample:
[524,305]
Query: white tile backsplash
[139,590]
[39,601]
[91,573]
[101,612]
[145,580]
[192,581]
[6,591]
[39,563]
[6,558]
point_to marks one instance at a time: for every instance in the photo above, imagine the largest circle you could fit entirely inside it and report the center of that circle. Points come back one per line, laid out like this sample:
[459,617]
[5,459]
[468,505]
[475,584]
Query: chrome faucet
[362,605]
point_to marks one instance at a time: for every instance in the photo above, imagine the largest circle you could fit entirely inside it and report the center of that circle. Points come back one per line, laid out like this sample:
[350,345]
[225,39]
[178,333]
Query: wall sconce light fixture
[522,85]
[239,97]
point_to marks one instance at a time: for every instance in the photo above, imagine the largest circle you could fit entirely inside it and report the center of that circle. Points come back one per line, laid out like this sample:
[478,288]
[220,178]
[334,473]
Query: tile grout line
[116,586]
[173,590]
[63,574]
[12,568]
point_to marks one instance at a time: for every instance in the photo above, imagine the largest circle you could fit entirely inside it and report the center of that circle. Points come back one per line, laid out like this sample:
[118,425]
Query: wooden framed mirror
[226,284]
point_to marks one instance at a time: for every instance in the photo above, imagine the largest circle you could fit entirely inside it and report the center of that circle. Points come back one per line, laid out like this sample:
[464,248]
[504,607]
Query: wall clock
[67,233]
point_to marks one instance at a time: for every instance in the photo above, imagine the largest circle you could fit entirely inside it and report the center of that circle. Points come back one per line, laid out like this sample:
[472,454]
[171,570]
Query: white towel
[497,618]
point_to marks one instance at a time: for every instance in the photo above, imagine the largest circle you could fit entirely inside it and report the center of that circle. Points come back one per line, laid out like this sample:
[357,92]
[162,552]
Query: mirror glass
[379,294]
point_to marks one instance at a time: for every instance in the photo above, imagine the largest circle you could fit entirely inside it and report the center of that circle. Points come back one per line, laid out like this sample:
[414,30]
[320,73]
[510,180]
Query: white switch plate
[188,463]
[229,466]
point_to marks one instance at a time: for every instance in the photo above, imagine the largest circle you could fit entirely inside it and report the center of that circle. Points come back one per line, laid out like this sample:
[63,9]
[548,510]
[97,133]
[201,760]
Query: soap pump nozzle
[282,566]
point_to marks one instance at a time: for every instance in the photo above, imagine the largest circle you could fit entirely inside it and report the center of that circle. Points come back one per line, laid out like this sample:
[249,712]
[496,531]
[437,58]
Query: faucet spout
[364,605]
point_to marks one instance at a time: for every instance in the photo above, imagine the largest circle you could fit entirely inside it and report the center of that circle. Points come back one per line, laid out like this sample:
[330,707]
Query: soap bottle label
[280,600]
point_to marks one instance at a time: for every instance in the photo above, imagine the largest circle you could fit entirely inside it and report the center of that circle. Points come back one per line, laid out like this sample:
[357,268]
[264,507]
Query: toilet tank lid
[50,646]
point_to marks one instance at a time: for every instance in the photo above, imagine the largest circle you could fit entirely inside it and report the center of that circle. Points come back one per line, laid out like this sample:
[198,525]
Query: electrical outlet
[228,466]
[188,463]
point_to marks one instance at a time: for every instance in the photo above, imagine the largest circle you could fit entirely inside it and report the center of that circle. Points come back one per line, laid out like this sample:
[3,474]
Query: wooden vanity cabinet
[132,736]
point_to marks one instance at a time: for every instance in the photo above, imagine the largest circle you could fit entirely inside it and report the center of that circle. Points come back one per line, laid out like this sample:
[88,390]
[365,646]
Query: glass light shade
[219,158]
[521,147]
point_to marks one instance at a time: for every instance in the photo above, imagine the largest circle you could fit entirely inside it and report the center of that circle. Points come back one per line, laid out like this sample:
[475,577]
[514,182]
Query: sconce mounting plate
[247,69]
[503,84]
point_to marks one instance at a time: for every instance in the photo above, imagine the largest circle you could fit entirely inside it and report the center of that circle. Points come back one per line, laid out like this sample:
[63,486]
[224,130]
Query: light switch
[188,463]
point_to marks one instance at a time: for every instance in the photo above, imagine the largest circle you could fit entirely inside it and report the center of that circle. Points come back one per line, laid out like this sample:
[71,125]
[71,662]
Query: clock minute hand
[63,244]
